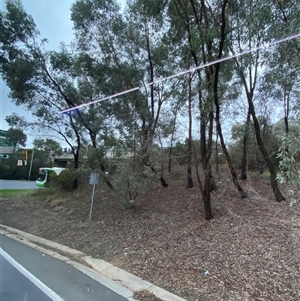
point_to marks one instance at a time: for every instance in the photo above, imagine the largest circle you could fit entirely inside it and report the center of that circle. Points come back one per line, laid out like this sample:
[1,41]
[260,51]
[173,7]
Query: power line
[225,58]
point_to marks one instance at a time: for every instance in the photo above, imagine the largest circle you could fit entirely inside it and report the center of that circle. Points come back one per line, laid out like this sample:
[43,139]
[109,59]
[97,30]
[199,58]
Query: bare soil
[249,251]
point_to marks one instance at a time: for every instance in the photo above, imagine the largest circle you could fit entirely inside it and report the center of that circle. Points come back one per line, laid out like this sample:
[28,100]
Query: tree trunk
[217,154]
[172,139]
[190,183]
[286,99]
[170,157]
[76,165]
[217,104]
[134,153]
[278,195]
[206,155]
[245,152]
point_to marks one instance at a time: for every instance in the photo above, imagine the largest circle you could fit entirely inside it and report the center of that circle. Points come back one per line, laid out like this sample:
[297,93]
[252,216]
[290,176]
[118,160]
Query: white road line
[45,289]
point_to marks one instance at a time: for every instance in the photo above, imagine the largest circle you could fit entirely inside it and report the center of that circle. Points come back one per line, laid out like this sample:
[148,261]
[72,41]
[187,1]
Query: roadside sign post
[94,180]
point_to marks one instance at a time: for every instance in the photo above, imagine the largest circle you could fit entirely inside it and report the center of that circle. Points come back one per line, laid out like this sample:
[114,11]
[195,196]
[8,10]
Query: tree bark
[245,149]
[217,104]
[206,155]
[190,183]
[172,139]
[76,165]
[217,154]
[206,149]
[278,195]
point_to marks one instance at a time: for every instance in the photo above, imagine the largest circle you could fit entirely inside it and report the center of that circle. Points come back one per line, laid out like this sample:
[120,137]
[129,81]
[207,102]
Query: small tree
[289,164]
[130,184]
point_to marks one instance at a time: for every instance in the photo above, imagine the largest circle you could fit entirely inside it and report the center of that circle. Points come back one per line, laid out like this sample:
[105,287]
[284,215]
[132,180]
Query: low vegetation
[14,193]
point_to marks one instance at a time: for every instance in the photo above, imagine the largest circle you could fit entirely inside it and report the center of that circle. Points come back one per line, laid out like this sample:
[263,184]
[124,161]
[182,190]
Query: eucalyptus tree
[281,80]
[251,23]
[15,134]
[27,70]
[48,82]
[131,48]
[203,27]
[186,22]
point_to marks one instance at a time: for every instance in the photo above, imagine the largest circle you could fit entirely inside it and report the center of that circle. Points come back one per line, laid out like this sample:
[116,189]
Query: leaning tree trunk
[278,195]
[217,104]
[245,152]
[205,150]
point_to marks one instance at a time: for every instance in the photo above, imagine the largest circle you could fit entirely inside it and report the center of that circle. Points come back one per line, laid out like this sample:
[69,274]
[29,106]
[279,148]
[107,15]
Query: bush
[65,179]
[130,184]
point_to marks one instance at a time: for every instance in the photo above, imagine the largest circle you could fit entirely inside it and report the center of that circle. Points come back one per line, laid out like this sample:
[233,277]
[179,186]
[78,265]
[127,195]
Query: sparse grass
[13,193]
[53,196]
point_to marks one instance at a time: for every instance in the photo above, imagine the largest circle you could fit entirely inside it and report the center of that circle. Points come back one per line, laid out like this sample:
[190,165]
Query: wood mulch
[249,251]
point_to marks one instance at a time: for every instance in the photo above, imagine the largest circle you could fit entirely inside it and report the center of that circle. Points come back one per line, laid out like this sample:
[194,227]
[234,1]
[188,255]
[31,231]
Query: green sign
[3,133]
[4,156]
[3,140]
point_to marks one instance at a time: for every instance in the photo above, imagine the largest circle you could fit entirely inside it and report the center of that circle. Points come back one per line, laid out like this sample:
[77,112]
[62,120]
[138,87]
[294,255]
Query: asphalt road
[29,275]
[10,184]
[11,278]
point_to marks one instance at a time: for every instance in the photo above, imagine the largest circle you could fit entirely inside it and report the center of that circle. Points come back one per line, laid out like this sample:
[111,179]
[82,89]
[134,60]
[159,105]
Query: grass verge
[12,193]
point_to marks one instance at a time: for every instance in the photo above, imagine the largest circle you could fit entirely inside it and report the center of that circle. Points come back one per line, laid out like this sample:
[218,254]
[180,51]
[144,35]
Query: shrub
[130,184]
[65,179]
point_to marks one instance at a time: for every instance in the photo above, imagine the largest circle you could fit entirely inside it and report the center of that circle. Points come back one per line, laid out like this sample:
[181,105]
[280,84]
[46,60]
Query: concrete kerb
[110,271]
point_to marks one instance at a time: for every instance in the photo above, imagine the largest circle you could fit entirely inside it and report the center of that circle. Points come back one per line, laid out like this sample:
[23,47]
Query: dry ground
[249,251]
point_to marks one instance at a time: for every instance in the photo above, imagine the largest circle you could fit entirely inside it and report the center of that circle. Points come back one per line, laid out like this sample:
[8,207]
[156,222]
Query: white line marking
[45,289]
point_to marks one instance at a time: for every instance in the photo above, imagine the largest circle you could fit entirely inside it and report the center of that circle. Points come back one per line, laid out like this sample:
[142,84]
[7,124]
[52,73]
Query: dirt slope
[249,251]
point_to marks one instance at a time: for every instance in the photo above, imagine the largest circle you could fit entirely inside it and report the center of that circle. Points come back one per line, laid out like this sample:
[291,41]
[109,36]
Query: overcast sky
[52,18]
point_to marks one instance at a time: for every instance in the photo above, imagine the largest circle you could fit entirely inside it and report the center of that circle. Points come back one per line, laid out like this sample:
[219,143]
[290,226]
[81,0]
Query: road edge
[110,271]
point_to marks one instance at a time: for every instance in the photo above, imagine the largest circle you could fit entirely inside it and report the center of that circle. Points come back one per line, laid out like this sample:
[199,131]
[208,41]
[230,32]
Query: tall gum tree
[134,56]
[44,82]
[251,21]
[187,21]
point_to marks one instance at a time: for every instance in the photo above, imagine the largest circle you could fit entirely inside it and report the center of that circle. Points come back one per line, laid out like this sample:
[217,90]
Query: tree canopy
[116,50]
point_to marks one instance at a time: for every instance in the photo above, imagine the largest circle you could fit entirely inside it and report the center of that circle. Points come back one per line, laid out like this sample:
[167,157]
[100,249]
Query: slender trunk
[286,122]
[76,165]
[278,195]
[286,109]
[171,143]
[146,161]
[206,149]
[207,171]
[170,156]
[217,104]
[190,183]
[75,151]
[217,154]
[244,155]
[134,153]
